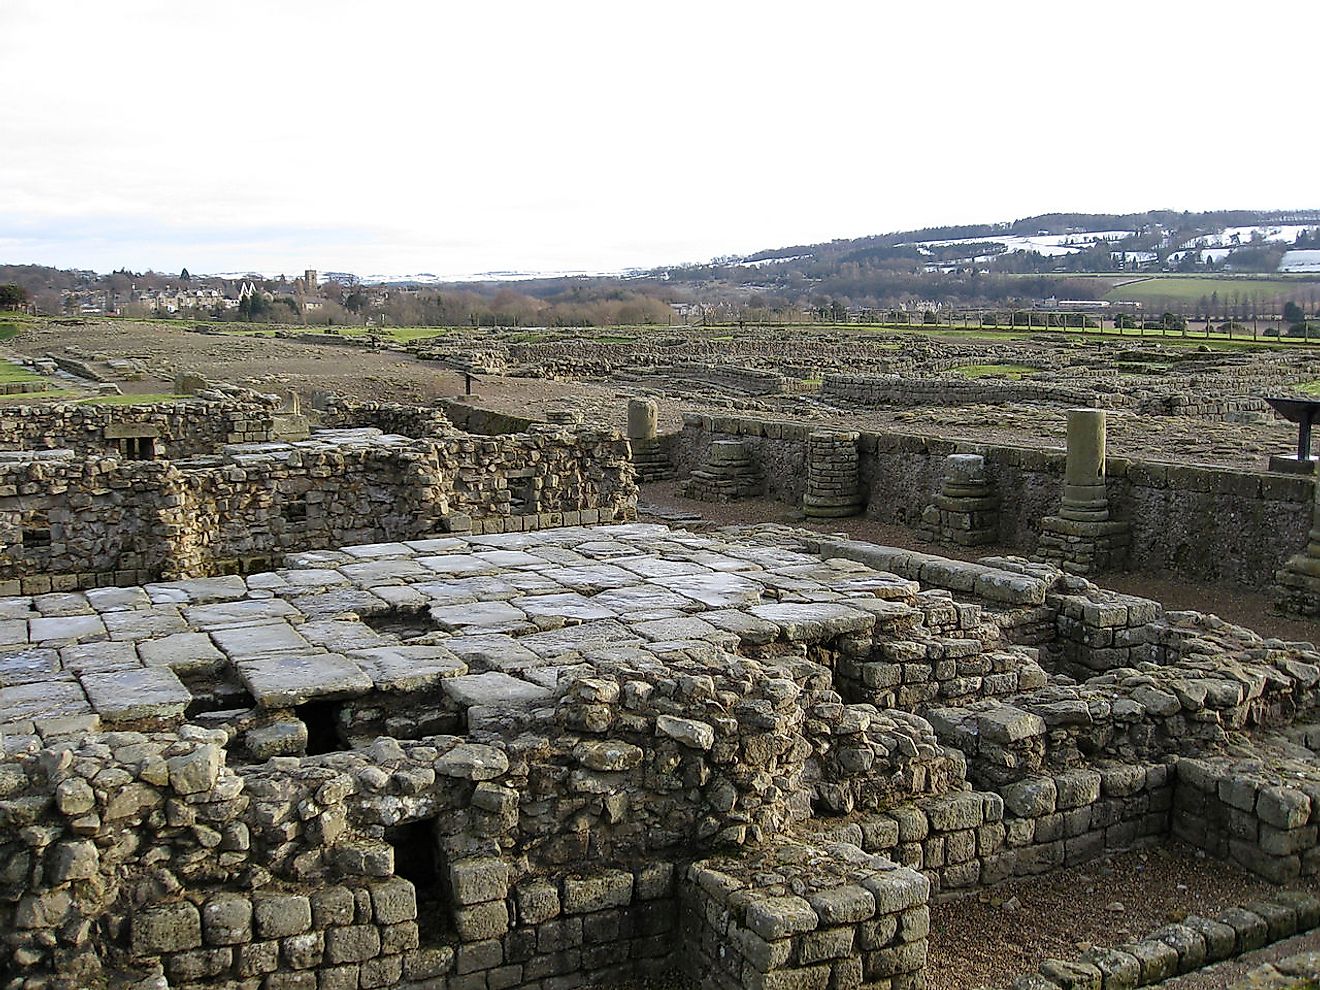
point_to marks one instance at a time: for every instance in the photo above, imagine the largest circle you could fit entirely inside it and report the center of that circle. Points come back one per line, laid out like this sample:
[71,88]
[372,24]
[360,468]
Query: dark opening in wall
[418,860]
[406,624]
[322,721]
[295,509]
[137,448]
[36,532]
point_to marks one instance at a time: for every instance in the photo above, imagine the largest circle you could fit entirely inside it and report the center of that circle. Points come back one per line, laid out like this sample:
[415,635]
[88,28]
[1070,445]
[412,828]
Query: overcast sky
[397,137]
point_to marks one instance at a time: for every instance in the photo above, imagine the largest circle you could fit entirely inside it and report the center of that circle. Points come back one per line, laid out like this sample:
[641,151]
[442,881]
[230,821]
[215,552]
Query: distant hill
[1071,256]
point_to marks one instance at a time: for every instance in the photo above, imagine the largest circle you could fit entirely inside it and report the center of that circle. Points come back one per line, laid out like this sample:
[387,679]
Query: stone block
[476,881]
[607,889]
[166,928]
[281,915]
[227,920]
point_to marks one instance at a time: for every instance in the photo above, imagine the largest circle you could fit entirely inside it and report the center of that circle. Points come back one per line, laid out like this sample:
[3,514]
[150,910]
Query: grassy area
[144,398]
[994,370]
[10,372]
[1193,288]
[1310,388]
[49,395]
[8,331]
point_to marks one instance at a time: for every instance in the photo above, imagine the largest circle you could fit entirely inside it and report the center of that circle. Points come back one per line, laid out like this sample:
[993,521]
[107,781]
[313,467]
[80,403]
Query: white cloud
[406,136]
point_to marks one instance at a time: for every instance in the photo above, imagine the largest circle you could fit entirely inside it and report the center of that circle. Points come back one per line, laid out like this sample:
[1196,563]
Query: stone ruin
[589,754]
[112,495]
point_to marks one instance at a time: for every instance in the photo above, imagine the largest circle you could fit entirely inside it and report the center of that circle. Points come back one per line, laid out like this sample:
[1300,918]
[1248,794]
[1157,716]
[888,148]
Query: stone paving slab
[458,563]
[15,608]
[28,666]
[493,652]
[288,681]
[198,591]
[252,642]
[569,606]
[408,668]
[115,599]
[13,631]
[135,694]
[713,590]
[47,699]
[480,617]
[147,623]
[494,688]
[91,658]
[238,613]
[372,572]
[66,627]
[63,603]
[184,653]
[365,551]
[510,558]
[340,601]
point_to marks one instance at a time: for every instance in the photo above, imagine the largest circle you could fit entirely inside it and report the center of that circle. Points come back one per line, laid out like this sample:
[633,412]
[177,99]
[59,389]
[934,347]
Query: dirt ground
[279,364]
[984,939]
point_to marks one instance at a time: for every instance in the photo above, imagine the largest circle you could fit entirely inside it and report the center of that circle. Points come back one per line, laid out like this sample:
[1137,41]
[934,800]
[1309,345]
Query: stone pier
[1082,538]
[1298,588]
[649,460]
[965,512]
[833,490]
[728,474]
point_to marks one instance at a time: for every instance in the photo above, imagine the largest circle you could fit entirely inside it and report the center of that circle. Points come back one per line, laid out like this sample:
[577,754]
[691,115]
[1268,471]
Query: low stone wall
[179,429]
[970,838]
[1204,406]
[1265,818]
[67,522]
[832,917]
[902,390]
[1200,523]
[388,417]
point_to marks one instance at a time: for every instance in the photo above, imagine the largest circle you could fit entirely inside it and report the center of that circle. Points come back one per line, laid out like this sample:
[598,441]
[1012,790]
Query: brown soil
[356,371]
[987,938]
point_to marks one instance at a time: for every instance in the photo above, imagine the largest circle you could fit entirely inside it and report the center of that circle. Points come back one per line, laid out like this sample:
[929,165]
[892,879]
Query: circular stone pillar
[1084,476]
[642,416]
[832,475]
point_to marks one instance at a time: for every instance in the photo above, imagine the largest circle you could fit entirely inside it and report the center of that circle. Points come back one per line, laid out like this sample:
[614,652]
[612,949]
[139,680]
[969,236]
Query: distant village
[210,295]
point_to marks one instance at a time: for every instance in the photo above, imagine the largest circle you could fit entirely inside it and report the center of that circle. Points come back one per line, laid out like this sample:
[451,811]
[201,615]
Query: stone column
[1084,476]
[1082,538]
[832,476]
[642,416]
[1298,588]
[728,473]
[965,512]
[649,458]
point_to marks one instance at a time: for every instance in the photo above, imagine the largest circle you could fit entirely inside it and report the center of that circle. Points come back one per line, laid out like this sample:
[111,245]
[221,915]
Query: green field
[10,372]
[1273,292]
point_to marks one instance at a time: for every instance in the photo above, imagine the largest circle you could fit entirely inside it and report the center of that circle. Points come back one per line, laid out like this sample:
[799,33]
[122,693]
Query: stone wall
[1200,523]
[388,417]
[179,429]
[531,761]
[902,390]
[69,522]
